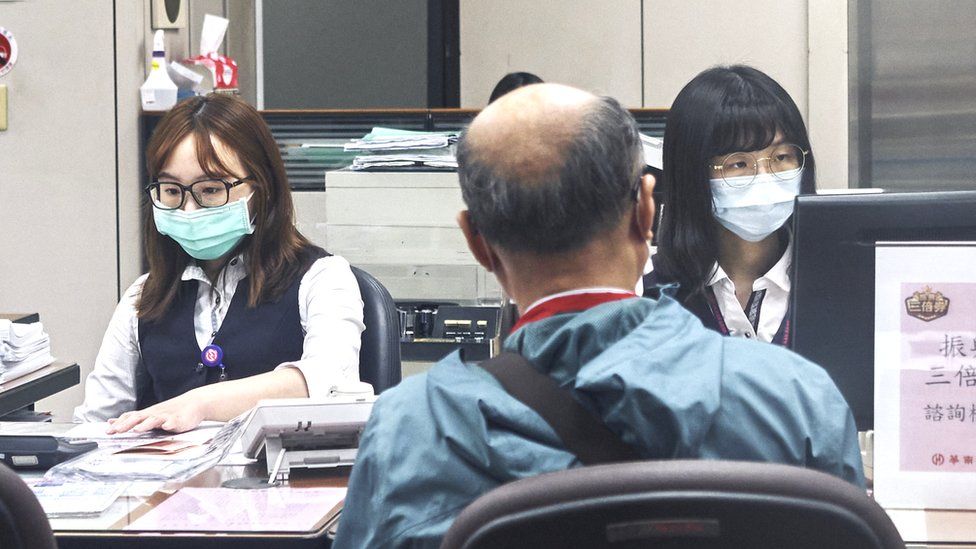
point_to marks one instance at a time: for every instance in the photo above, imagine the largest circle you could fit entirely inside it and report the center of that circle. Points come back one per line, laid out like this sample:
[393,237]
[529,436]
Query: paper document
[236,455]
[24,348]
[389,160]
[96,431]
[282,509]
[653,151]
[76,498]
[33,428]
[200,448]
[323,145]
[390,139]
[925,375]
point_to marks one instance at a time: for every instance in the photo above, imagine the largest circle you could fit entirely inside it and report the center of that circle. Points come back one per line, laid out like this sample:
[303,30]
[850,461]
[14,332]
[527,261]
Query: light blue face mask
[755,210]
[207,233]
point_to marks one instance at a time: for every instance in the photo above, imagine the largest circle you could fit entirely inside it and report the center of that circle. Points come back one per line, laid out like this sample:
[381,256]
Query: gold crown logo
[927,305]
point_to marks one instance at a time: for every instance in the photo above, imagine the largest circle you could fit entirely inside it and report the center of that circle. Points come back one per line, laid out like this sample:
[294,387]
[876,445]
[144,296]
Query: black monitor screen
[833,278]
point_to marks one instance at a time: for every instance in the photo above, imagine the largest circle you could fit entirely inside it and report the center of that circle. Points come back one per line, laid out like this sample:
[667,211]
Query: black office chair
[676,504]
[379,355]
[23,524]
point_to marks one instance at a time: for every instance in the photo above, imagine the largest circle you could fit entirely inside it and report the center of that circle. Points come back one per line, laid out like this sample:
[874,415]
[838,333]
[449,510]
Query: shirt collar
[778,274]
[234,272]
[574,292]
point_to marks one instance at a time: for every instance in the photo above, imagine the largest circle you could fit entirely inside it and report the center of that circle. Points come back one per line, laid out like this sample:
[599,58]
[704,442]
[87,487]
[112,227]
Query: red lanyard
[571,303]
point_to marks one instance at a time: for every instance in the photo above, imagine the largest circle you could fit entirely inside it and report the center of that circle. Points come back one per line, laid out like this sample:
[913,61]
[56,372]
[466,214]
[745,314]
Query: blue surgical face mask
[207,233]
[755,210]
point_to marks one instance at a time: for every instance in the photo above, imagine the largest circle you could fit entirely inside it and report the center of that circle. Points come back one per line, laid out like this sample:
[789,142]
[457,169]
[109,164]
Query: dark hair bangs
[207,155]
[750,125]
[203,144]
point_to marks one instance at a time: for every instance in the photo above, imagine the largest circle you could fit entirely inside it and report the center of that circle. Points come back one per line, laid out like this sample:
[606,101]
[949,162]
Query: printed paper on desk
[97,431]
[925,376]
[282,509]
[160,447]
[76,498]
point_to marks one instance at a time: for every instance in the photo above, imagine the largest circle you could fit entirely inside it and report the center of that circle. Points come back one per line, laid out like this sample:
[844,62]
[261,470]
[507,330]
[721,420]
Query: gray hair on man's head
[593,181]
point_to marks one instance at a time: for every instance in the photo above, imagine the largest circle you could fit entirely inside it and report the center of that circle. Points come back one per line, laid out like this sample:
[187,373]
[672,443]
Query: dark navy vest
[254,340]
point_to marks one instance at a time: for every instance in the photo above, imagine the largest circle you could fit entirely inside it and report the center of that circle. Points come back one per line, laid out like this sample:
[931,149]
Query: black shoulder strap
[583,434]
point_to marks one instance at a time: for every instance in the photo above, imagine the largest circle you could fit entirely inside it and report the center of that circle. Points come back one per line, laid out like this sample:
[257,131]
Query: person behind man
[512,81]
[560,213]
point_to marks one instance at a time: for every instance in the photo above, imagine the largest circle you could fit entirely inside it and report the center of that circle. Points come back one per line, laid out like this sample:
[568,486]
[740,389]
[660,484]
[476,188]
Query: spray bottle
[158,92]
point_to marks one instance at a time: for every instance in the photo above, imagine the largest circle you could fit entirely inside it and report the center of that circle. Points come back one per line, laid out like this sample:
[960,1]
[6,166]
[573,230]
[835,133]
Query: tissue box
[222,68]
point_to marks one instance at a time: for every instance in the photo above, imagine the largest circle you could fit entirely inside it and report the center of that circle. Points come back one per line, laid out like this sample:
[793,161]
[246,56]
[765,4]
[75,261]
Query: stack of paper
[363,162]
[24,348]
[386,148]
[392,139]
[653,151]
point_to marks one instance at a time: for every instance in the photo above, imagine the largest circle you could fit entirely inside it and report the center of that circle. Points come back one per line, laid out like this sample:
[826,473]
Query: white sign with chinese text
[925,375]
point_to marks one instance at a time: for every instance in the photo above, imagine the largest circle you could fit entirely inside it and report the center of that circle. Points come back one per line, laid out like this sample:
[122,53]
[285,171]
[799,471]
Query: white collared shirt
[329,305]
[770,300]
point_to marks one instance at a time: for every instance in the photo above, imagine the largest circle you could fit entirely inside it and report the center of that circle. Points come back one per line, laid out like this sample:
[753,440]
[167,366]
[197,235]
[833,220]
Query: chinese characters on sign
[938,376]
[925,375]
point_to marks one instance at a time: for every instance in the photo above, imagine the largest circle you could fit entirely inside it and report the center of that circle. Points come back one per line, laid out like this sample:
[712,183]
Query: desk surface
[113,527]
[919,528]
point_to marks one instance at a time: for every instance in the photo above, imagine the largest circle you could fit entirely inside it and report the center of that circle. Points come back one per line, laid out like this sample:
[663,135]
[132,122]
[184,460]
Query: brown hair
[276,252]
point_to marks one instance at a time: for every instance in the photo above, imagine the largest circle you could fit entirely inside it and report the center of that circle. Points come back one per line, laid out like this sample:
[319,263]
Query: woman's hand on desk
[218,402]
[179,414]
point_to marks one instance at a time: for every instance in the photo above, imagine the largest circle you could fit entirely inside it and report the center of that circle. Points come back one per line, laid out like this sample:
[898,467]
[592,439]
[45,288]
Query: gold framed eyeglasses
[739,169]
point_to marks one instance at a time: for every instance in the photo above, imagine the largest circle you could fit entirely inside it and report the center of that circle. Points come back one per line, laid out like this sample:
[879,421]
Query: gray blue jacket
[660,380]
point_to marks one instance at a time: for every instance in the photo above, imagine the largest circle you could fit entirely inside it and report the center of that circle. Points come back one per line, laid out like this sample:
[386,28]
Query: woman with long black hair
[736,154]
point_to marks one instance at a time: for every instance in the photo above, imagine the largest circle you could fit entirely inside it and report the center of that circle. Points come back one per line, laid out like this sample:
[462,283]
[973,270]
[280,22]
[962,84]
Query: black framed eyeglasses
[208,193]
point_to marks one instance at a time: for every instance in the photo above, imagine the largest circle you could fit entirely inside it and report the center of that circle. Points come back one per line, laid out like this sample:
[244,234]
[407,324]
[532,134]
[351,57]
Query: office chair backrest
[676,504]
[379,355]
[23,524]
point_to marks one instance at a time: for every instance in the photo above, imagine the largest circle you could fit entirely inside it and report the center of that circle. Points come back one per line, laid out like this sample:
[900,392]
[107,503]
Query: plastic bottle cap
[159,45]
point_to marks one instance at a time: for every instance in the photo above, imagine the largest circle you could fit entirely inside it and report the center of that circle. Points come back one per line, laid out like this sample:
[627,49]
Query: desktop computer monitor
[833,276]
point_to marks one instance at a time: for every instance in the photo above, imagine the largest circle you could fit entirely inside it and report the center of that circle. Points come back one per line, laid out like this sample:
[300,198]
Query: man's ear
[479,247]
[645,207]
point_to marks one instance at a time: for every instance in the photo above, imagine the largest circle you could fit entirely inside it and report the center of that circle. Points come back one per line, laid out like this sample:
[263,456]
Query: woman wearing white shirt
[227,268]
[736,154]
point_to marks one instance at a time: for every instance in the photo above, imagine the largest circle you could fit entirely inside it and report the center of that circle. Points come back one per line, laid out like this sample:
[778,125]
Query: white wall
[591,44]
[132,22]
[685,37]
[588,44]
[828,116]
[57,177]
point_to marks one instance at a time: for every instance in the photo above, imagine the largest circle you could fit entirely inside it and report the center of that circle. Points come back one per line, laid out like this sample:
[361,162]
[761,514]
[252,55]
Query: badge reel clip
[212,356]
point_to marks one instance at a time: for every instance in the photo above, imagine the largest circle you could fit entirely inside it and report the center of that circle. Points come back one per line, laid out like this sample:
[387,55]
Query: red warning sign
[8,51]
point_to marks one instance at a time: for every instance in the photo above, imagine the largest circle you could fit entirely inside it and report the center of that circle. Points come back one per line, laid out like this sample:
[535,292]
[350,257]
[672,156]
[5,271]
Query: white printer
[308,433]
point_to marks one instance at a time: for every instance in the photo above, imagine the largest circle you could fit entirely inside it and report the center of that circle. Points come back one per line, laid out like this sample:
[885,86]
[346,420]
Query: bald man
[558,210]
